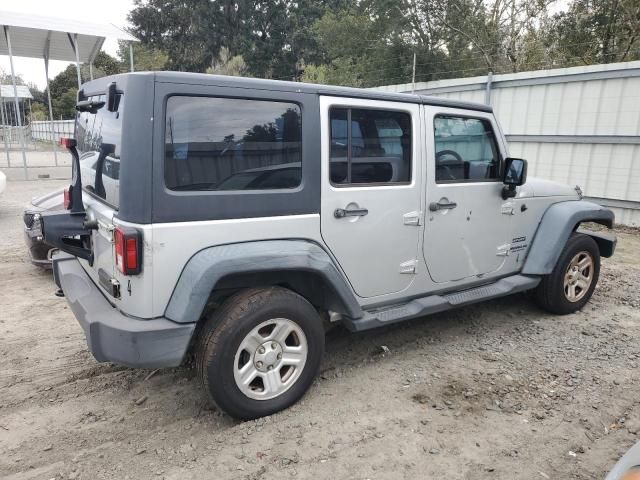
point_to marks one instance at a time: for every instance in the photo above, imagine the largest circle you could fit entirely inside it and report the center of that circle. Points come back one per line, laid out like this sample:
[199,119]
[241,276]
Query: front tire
[260,351]
[571,283]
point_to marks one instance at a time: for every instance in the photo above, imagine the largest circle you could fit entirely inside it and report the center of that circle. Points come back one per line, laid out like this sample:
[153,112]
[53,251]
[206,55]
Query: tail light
[128,250]
[67,142]
[67,199]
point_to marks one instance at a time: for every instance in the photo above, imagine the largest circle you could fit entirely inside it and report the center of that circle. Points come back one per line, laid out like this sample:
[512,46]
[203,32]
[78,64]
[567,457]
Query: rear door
[370,208]
[468,224]
[100,188]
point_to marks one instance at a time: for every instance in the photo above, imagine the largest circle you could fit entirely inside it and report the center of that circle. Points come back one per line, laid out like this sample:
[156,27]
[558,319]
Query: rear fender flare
[209,266]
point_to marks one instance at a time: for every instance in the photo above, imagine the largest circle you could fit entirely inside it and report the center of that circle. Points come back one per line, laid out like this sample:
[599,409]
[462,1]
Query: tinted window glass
[466,150]
[231,144]
[370,146]
[95,133]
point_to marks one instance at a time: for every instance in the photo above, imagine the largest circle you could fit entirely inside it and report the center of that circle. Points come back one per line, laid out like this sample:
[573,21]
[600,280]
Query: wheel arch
[302,266]
[559,221]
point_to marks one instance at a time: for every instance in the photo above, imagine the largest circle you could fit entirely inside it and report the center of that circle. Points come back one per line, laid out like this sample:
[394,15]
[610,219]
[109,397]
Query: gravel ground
[499,390]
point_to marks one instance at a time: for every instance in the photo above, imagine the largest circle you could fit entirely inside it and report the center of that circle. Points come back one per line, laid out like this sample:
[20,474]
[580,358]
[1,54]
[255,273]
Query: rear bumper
[113,336]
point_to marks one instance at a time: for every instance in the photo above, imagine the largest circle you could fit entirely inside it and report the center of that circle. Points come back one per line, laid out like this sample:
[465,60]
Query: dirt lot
[499,390]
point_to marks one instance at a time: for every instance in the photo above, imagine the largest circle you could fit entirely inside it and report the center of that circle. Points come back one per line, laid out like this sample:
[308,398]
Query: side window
[369,147]
[231,144]
[466,150]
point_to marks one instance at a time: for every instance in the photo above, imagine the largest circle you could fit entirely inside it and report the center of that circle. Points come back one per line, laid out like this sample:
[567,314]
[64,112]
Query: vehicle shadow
[448,327]
[456,330]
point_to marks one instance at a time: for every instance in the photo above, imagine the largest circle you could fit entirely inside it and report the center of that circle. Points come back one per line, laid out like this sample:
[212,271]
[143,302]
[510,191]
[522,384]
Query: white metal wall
[579,126]
[51,131]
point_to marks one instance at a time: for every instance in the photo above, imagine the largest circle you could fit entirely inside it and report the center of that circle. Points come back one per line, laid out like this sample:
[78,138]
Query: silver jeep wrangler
[232,217]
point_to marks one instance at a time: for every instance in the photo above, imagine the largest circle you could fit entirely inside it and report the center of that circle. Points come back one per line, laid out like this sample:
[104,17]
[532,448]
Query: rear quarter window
[230,144]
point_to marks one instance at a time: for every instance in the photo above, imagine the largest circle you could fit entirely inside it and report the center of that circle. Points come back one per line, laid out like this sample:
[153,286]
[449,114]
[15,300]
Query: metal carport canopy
[30,33]
[7,92]
[52,38]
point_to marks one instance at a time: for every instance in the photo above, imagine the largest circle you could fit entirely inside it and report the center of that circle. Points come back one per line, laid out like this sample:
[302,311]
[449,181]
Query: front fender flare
[208,266]
[557,224]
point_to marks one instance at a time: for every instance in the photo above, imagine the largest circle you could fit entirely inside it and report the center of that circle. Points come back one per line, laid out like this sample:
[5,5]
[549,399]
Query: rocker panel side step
[439,303]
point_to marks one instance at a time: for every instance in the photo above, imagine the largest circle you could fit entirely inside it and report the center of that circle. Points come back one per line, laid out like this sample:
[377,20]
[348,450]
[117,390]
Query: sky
[99,11]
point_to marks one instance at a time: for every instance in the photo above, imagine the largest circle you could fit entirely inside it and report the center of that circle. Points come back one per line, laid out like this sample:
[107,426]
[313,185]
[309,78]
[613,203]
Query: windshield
[94,133]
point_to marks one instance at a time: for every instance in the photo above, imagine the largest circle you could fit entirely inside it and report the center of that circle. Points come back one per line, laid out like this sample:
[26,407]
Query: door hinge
[409,266]
[504,250]
[413,218]
[106,230]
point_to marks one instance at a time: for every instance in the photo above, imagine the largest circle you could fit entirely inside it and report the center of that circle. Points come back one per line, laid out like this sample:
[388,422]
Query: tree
[38,112]
[191,32]
[228,65]
[278,36]
[64,86]
[362,46]
[373,42]
[145,57]
[272,36]
[5,78]
[493,31]
[594,31]
[39,96]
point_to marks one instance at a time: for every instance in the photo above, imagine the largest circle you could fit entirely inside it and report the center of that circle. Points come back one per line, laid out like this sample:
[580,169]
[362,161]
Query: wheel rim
[578,277]
[270,359]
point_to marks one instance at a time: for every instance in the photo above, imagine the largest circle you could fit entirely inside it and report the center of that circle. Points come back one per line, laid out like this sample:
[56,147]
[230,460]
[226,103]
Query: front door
[468,224]
[371,181]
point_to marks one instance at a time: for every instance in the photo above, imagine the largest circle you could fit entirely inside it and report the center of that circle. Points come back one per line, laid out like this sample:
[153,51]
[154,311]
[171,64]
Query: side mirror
[515,174]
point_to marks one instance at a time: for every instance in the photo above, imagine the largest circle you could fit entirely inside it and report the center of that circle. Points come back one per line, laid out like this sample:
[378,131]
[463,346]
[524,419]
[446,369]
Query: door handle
[441,205]
[350,212]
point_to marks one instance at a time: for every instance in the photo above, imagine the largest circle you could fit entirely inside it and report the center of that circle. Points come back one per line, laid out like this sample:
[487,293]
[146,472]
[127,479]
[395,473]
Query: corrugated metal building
[579,125]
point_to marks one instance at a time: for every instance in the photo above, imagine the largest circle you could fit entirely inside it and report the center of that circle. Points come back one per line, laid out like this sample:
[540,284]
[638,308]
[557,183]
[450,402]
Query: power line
[479,69]
[477,56]
[536,65]
[540,65]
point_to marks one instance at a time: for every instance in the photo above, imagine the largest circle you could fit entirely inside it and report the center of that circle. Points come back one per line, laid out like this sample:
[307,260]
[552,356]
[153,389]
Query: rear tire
[260,351]
[572,282]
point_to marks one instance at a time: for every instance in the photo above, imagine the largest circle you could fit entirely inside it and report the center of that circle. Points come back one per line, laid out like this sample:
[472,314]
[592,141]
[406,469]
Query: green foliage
[228,65]
[145,57]
[38,112]
[368,42]
[188,30]
[594,31]
[64,87]
[39,96]
[273,37]
[5,78]
[315,74]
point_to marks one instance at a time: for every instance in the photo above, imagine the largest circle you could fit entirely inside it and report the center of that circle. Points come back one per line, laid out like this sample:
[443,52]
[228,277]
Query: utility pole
[413,77]
[7,37]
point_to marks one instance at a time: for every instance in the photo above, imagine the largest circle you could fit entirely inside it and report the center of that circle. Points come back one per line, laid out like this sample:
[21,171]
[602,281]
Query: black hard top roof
[279,85]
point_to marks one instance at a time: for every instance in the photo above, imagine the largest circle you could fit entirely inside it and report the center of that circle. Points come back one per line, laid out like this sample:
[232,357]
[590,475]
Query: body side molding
[206,268]
[557,223]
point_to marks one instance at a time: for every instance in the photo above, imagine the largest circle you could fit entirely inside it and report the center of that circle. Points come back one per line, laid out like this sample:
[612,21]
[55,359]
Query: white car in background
[3,182]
